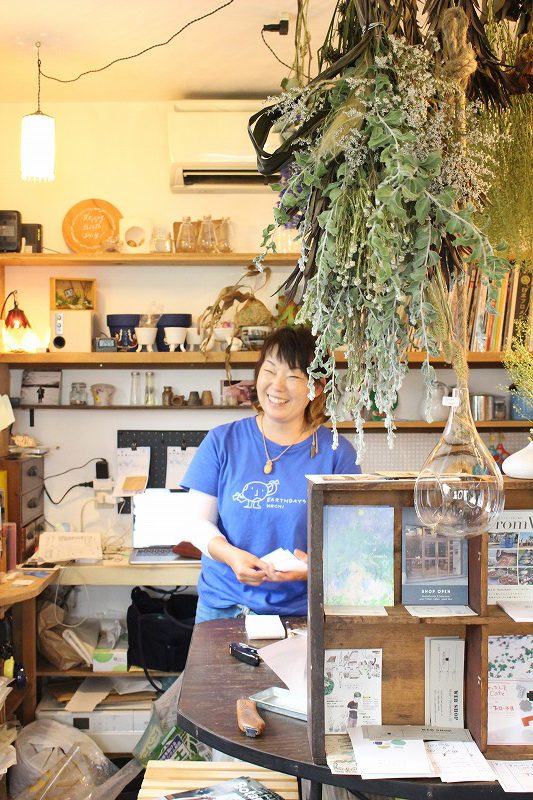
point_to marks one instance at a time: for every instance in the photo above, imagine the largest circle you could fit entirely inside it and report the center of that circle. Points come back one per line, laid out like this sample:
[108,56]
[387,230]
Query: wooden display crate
[400,635]
[74,294]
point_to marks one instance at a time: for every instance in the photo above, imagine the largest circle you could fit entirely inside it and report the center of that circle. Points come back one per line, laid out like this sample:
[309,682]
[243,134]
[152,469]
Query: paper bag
[50,642]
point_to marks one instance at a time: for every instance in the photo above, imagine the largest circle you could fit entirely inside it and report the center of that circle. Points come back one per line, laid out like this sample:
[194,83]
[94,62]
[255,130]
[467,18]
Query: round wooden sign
[88,224]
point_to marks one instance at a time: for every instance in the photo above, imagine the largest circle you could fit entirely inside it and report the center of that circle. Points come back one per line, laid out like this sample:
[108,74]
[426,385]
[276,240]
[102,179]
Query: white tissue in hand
[284,561]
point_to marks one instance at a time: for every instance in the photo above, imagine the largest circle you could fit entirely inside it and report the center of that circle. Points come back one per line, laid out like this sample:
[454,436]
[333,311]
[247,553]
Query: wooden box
[400,635]
[74,294]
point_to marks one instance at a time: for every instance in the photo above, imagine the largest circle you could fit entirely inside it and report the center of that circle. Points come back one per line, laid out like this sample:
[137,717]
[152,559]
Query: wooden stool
[165,777]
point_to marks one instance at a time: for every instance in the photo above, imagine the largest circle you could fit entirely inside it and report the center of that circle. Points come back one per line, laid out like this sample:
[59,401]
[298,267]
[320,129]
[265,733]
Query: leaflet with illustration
[510,690]
[510,560]
[352,689]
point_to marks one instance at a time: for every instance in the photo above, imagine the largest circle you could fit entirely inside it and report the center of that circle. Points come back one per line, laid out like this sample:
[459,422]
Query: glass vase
[459,491]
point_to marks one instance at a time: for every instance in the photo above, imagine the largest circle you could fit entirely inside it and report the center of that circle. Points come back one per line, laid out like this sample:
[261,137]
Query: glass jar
[149,389]
[207,241]
[135,389]
[166,397]
[185,242]
[161,241]
[223,236]
[78,394]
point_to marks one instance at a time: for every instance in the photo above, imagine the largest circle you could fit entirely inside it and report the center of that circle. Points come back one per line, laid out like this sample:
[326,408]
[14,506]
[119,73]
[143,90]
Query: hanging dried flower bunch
[385,182]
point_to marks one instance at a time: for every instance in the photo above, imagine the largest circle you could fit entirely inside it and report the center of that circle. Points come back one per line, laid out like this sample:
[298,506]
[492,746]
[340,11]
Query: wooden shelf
[148,259]
[47,670]
[68,407]
[14,699]
[398,615]
[194,360]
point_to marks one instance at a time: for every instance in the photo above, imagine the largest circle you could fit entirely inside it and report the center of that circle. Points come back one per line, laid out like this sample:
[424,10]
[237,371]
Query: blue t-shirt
[259,512]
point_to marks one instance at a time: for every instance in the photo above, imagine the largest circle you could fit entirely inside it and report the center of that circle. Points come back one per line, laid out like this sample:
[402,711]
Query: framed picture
[76,294]
[40,387]
[236,393]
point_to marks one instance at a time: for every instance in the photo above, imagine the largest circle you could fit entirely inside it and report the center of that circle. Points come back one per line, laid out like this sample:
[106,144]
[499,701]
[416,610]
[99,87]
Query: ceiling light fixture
[37,141]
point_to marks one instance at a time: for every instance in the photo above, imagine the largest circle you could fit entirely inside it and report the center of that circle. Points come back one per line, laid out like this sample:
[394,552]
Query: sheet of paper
[284,561]
[264,626]
[446,680]
[288,659]
[392,758]
[129,685]
[355,611]
[514,776]
[178,461]
[340,757]
[57,546]
[510,690]
[459,761]
[440,611]
[425,732]
[7,417]
[91,692]
[352,689]
[520,611]
[132,471]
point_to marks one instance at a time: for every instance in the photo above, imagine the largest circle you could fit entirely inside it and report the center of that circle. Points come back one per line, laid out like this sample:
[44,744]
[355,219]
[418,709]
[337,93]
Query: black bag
[160,630]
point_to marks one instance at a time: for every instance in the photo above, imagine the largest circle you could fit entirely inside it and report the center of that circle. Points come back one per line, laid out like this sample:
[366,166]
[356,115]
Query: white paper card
[132,471]
[440,611]
[264,626]
[57,546]
[459,761]
[393,758]
[91,692]
[178,462]
[352,689]
[446,679]
[355,611]
[288,659]
[517,610]
[425,732]
[7,417]
[514,776]
[284,561]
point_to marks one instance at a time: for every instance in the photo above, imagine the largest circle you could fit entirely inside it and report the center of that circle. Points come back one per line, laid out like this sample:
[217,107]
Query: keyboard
[153,555]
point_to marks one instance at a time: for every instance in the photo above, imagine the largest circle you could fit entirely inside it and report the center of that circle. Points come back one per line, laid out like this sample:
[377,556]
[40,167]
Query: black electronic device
[32,233]
[246,653]
[105,344]
[10,231]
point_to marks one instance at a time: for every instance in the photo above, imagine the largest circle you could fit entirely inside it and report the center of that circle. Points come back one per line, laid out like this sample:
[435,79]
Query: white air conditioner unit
[210,150]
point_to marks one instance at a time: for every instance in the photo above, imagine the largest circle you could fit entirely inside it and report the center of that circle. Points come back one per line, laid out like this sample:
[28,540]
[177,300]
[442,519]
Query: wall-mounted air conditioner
[210,150]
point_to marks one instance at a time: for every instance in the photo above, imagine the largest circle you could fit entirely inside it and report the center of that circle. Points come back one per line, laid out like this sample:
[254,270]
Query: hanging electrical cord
[141,52]
[266,27]
[71,469]
[86,485]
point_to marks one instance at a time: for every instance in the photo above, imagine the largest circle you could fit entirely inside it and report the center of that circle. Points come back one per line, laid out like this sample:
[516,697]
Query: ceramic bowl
[253,336]
[170,321]
[122,329]
[175,338]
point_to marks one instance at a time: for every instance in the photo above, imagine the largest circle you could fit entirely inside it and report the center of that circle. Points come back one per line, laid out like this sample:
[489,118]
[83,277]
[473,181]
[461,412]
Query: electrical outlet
[104,499]
[103,485]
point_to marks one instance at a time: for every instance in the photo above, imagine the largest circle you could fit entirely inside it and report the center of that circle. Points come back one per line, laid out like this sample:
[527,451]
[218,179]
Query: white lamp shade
[37,147]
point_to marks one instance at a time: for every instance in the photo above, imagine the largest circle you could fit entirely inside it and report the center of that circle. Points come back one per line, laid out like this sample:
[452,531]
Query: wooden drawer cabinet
[25,500]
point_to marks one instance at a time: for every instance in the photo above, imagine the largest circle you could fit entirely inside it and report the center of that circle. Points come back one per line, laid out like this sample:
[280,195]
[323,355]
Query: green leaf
[421,209]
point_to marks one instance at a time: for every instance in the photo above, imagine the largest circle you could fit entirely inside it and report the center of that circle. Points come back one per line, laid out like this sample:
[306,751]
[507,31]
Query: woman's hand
[294,575]
[248,568]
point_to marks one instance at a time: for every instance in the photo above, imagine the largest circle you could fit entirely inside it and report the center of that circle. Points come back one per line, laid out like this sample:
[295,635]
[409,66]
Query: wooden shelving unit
[47,670]
[148,259]
[196,360]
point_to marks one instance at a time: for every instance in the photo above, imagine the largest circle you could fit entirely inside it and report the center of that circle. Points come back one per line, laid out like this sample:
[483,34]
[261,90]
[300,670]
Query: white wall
[119,153]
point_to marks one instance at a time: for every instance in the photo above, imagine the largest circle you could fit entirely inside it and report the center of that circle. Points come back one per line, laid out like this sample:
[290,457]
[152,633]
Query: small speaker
[71,331]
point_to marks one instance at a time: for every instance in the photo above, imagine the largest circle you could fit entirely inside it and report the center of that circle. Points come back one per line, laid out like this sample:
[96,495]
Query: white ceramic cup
[146,336]
[175,338]
[195,339]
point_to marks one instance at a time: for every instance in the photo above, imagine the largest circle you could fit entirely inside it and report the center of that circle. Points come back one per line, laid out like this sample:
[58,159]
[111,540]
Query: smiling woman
[238,516]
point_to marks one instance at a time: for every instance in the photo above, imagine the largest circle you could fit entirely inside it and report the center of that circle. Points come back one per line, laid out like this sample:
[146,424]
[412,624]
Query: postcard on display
[390,758]
[352,689]
[510,561]
[444,679]
[519,611]
[510,690]
[340,756]
[456,762]
[358,556]
[434,568]
[514,776]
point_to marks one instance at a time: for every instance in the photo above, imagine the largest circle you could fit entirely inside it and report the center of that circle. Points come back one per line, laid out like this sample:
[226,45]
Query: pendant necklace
[269,463]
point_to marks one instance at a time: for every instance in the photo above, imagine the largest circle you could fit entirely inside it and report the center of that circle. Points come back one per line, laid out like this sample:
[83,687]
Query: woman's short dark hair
[295,346]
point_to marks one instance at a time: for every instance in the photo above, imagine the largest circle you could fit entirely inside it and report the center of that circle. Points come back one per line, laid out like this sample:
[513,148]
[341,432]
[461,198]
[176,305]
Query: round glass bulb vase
[459,491]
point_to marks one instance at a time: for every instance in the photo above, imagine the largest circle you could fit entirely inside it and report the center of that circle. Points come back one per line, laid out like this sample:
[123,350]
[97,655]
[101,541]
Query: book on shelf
[242,788]
[434,568]
[510,307]
[358,552]
[510,690]
[495,343]
[510,557]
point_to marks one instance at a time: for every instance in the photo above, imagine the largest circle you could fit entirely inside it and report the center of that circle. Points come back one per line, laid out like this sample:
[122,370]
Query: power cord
[85,485]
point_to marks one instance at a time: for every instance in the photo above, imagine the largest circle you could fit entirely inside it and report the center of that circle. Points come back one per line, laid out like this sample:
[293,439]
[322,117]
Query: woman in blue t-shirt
[248,490]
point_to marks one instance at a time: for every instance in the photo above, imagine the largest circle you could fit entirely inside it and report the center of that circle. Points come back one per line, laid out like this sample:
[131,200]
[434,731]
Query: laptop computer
[159,522]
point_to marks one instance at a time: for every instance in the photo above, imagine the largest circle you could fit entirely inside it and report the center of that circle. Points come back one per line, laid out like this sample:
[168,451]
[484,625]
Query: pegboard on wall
[157,441]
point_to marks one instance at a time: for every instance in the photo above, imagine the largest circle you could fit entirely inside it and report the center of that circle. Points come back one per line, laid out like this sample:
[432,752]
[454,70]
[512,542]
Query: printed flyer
[352,689]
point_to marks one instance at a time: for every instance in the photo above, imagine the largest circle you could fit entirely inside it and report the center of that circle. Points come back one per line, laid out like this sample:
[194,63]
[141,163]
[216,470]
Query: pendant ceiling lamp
[37,143]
